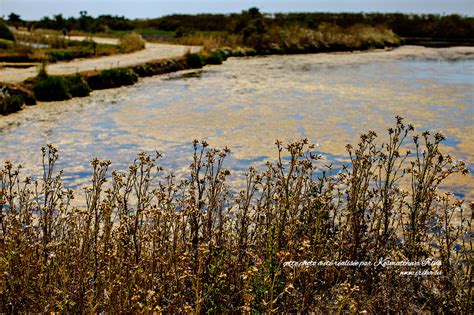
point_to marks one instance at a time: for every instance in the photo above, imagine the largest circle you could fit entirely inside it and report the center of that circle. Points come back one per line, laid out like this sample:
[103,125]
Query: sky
[36,9]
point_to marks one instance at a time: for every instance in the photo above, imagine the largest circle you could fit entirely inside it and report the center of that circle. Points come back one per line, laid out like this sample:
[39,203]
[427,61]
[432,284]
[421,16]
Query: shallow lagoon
[247,104]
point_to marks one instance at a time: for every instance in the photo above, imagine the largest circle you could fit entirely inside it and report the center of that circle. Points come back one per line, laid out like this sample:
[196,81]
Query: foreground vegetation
[144,241]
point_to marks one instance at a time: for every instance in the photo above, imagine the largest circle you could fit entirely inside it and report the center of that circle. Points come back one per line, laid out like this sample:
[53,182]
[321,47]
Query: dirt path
[151,52]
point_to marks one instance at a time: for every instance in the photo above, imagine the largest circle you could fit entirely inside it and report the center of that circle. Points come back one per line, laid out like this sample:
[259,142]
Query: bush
[51,88]
[112,78]
[131,42]
[251,52]
[60,55]
[195,60]
[215,58]
[86,44]
[77,86]
[5,32]
[10,103]
[48,88]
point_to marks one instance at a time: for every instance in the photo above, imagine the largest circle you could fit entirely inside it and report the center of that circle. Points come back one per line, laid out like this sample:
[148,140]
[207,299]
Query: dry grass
[296,39]
[147,242]
[212,41]
[131,42]
[331,36]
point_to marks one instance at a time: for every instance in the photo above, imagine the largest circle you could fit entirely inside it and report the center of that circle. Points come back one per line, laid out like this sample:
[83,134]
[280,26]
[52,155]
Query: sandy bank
[403,52]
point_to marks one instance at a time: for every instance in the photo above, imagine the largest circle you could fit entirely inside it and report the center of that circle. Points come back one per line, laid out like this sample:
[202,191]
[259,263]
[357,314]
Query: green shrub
[215,58]
[58,88]
[112,78]
[10,103]
[5,32]
[251,52]
[77,86]
[60,55]
[195,61]
[87,44]
[51,88]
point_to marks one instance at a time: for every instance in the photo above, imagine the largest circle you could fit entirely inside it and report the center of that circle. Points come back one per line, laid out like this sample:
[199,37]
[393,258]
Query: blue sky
[35,9]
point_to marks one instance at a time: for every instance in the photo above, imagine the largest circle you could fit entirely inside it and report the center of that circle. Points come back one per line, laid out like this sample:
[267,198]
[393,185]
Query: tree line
[405,25]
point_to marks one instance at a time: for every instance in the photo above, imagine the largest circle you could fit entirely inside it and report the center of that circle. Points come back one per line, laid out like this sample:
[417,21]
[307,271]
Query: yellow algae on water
[249,103]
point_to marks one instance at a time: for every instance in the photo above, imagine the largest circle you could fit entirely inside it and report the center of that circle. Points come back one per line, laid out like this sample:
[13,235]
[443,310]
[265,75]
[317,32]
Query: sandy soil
[151,52]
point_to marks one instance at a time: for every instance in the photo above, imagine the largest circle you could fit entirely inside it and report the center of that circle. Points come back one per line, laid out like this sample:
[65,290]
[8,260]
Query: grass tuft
[112,78]
[131,42]
[51,88]
[195,60]
[10,103]
[77,86]
[48,88]
[215,58]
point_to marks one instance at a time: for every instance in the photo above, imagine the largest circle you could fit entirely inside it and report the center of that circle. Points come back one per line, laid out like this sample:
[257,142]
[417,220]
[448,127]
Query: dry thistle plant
[147,242]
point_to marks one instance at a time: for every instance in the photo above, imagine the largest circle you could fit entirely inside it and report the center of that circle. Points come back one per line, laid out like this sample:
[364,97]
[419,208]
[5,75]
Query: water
[34,45]
[247,104]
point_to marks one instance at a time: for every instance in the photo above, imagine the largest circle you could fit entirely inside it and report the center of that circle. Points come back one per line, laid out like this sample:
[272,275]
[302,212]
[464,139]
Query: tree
[59,21]
[14,18]
[254,12]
